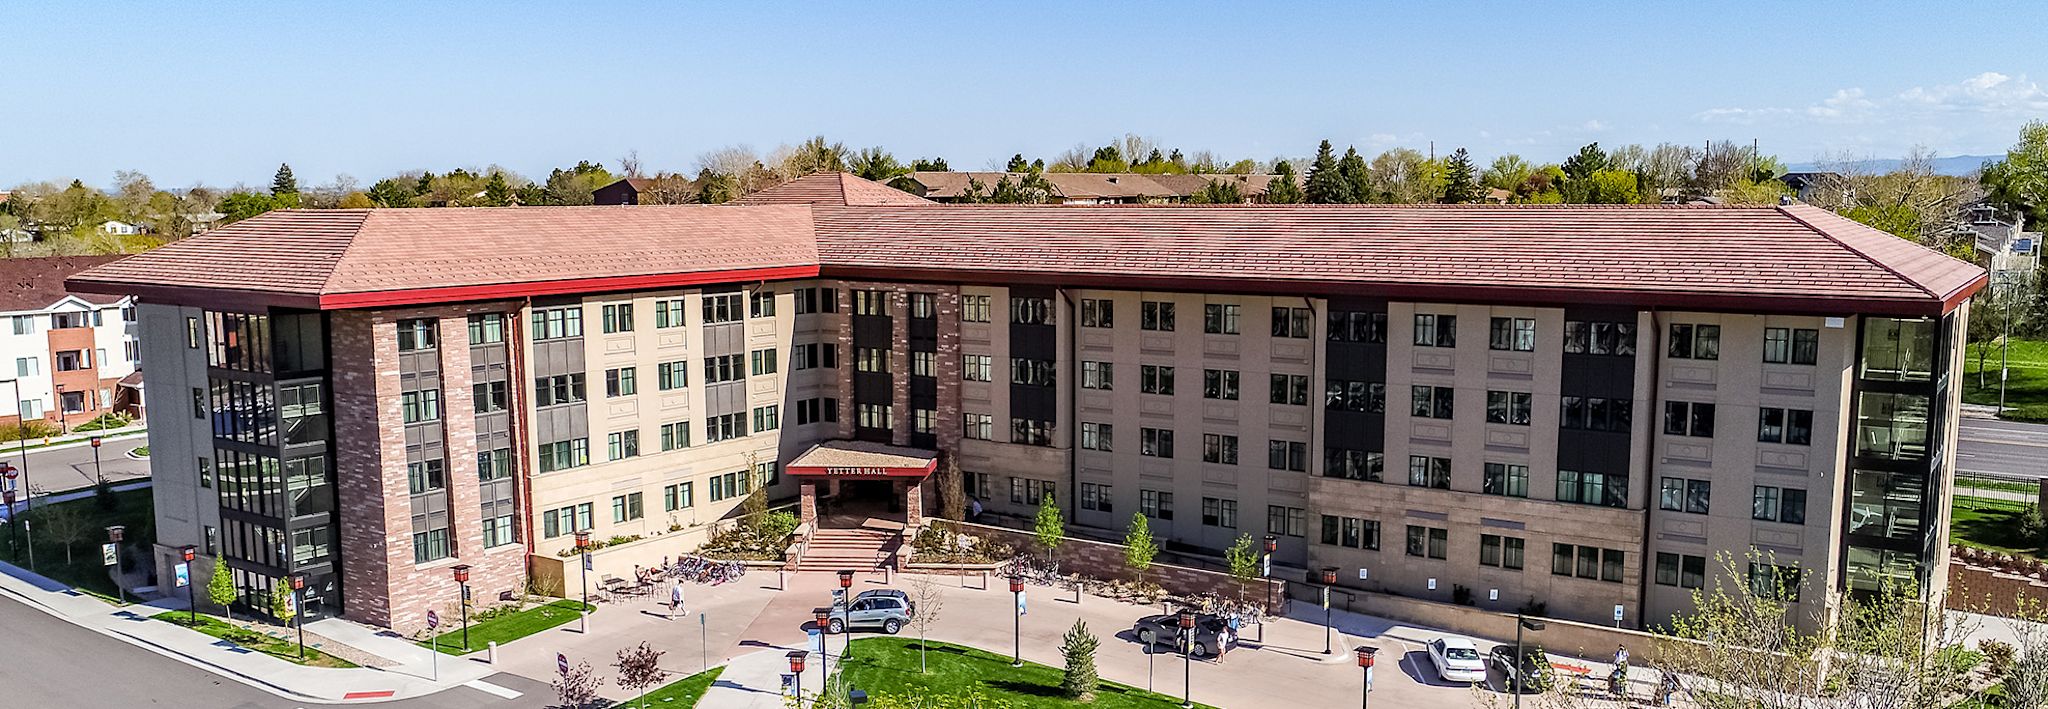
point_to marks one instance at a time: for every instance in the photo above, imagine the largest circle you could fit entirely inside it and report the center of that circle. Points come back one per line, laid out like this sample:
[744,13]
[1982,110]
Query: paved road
[69,666]
[53,471]
[2002,447]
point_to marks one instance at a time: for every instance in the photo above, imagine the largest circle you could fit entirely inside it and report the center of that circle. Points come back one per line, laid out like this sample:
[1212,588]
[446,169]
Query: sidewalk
[12,449]
[409,677]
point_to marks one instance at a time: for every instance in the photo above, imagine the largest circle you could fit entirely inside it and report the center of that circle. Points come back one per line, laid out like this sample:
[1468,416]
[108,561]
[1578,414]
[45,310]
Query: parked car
[1533,676]
[1212,633]
[885,608]
[1457,660]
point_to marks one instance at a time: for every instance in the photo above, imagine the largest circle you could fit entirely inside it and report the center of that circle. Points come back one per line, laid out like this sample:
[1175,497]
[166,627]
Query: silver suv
[887,608]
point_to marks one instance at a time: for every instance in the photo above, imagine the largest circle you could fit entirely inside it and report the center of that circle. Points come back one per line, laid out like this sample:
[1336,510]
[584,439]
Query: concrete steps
[837,549]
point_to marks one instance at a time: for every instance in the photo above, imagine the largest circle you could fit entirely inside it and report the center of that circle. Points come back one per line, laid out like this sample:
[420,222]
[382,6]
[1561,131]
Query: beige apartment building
[1567,410]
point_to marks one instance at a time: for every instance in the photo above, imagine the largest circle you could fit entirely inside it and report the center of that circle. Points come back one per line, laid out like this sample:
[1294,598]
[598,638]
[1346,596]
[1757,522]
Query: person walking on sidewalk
[675,600]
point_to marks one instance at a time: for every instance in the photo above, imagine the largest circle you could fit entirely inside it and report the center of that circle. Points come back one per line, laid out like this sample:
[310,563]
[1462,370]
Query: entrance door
[878,495]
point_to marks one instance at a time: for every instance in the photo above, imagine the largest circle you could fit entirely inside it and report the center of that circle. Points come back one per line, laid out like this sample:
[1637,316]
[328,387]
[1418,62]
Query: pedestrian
[1621,657]
[675,600]
[974,509]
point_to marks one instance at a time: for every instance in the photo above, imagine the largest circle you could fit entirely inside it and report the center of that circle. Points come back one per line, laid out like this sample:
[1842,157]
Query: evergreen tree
[1355,173]
[1218,192]
[716,188]
[1325,185]
[1459,187]
[932,165]
[1080,680]
[1283,189]
[283,183]
[1589,160]
[1017,163]
[497,192]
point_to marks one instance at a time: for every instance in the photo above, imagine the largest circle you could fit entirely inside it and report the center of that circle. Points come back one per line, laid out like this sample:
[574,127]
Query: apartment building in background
[1565,409]
[69,356]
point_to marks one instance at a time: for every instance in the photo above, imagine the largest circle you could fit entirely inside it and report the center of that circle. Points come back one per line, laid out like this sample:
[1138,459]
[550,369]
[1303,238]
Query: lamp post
[796,667]
[21,428]
[846,612]
[299,611]
[1187,654]
[189,552]
[114,535]
[583,559]
[1515,677]
[1365,653]
[462,582]
[1266,589]
[1017,618]
[1329,578]
[63,417]
[97,474]
[8,495]
[824,616]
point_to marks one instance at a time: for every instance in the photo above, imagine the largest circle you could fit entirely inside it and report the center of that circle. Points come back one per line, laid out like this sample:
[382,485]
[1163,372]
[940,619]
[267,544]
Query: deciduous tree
[220,588]
[1139,547]
[1506,172]
[1243,561]
[577,687]
[639,668]
[1050,526]
[928,601]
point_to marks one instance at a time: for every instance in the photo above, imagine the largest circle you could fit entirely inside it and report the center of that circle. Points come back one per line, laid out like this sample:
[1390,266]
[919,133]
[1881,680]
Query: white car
[1457,660]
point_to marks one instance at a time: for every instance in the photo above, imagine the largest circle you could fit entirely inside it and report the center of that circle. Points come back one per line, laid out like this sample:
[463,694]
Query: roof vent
[1112,180]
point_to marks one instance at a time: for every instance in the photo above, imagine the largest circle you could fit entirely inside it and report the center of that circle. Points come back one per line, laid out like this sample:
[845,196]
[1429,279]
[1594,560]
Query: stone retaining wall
[1106,561]
[1989,591]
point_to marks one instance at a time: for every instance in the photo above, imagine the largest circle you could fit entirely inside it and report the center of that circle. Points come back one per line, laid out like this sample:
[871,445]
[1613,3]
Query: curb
[73,443]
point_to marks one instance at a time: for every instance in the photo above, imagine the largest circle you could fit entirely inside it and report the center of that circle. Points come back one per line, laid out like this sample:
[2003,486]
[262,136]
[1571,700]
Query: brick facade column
[807,495]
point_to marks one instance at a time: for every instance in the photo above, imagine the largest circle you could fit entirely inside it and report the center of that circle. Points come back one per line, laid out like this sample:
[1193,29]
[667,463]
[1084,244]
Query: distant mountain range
[1961,165]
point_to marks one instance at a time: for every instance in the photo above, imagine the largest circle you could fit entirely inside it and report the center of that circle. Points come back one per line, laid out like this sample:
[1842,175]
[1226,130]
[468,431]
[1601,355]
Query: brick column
[808,502]
[913,503]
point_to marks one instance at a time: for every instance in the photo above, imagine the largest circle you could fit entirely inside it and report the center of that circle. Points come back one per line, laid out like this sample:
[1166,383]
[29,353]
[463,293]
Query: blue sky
[220,92]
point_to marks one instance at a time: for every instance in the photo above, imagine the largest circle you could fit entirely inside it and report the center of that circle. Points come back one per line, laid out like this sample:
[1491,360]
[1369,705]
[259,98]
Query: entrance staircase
[859,549]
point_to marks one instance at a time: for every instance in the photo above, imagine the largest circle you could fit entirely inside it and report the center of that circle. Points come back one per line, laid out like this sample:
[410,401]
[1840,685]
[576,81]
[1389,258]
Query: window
[1096,436]
[427,545]
[977,367]
[1025,491]
[814,355]
[1685,495]
[1776,504]
[1287,455]
[974,308]
[1506,479]
[1351,532]
[416,335]
[1592,488]
[1353,464]
[1155,442]
[1436,330]
[1430,401]
[1156,504]
[1362,397]
[668,312]
[1775,425]
[557,389]
[1503,552]
[761,304]
[1096,498]
[1586,562]
[1681,570]
[763,361]
[1098,312]
[721,308]
[882,416]
[494,464]
[27,366]
[1791,346]
[26,325]
[1427,471]
[1291,322]
[1289,389]
[924,306]
[870,302]
[1779,583]
[1219,384]
[1683,418]
[131,350]
[731,485]
[1031,311]
[924,364]
[565,520]
[486,329]
[1031,432]
[422,477]
[1892,426]
[817,300]
[627,508]
[1219,448]
[618,317]
[1219,512]
[421,406]
[719,369]
[1428,542]
[724,427]
[871,359]
[1219,319]
[1097,375]
[1690,341]
[676,497]
[557,323]
[1509,407]
[1592,413]
[1155,379]
[1600,338]
[818,410]
[1156,316]
[1286,521]
[205,472]
[625,381]
[1031,372]
[980,427]
[563,455]
[198,403]
[499,531]
[1512,334]
[624,444]
[487,397]
[1363,328]
[976,484]
[767,418]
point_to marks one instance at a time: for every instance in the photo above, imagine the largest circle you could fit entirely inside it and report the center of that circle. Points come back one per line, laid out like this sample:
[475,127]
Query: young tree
[952,492]
[1139,547]
[1459,185]
[283,183]
[1080,679]
[281,603]
[1325,185]
[1283,189]
[1050,527]
[220,588]
[1243,561]
[639,668]
[64,524]
[928,600]
[577,687]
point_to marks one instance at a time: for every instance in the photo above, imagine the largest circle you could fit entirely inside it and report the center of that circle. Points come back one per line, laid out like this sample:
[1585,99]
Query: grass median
[681,693]
[286,649]
[505,628]
[68,536]
[890,666]
[1991,524]
[2026,388]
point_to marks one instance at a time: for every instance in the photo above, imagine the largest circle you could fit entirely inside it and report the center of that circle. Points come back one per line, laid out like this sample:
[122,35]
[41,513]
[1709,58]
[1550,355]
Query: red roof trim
[421,296]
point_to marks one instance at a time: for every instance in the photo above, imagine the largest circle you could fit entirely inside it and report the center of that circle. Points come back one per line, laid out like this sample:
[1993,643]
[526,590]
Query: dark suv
[1212,633]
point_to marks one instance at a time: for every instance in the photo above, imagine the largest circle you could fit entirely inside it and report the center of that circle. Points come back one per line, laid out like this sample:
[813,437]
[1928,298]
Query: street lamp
[1365,653]
[1329,578]
[796,667]
[824,617]
[583,558]
[462,581]
[114,535]
[1515,677]
[97,474]
[8,495]
[299,611]
[189,552]
[21,428]
[63,417]
[846,612]
[1266,589]
[1017,617]
[1187,654]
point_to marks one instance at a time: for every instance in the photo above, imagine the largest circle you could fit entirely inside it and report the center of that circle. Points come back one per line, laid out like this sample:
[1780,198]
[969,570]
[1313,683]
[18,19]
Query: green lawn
[681,693]
[286,649]
[888,665]
[81,526]
[1966,485]
[1989,524]
[505,628]
[2026,389]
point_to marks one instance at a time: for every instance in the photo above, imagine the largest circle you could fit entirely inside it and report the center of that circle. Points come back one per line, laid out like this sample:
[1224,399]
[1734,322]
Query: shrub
[1461,595]
[1080,679]
[31,430]
[2030,525]
[1998,656]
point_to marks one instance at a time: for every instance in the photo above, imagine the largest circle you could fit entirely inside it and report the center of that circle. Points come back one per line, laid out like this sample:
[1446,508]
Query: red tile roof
[1790,259]
[38,283]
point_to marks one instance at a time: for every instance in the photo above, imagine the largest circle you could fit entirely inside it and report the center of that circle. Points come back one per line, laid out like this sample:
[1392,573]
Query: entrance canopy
[863,460]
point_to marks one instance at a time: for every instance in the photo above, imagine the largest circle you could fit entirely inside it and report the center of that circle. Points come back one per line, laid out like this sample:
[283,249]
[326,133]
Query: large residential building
[1571,408]
[69,356]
